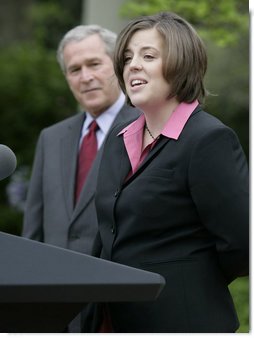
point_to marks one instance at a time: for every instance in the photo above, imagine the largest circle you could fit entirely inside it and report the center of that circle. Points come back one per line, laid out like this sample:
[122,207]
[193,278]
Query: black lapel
[159,145]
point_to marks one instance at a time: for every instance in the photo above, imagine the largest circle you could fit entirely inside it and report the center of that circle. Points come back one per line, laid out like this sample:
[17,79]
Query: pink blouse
[133,133]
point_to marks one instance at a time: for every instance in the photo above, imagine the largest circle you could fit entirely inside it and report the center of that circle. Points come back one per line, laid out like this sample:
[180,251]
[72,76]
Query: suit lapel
[69,149]
[88,190]
[160,144]
[154,151]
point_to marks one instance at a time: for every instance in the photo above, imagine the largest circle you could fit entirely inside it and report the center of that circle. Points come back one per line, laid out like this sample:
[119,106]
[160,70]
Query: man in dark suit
[53,215]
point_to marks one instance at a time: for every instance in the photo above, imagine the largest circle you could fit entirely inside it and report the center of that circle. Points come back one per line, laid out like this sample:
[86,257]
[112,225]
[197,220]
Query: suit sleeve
[33,215]
[218,176]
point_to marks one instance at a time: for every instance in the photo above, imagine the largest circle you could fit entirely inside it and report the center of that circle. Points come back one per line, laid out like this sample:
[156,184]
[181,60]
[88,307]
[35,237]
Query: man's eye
[74,70]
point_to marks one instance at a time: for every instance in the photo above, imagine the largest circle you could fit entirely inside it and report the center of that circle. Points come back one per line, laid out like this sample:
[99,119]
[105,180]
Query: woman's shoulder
[203,122]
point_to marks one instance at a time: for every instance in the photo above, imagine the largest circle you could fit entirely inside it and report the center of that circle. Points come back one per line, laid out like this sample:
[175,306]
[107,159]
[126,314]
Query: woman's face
[144,81]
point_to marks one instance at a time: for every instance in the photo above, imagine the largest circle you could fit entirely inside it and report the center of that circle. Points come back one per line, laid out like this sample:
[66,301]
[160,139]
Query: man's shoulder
[126,114]
[69,122]
[133,111]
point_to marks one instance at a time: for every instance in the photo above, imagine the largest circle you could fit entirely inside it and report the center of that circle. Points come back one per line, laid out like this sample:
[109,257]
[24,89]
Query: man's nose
[86,75]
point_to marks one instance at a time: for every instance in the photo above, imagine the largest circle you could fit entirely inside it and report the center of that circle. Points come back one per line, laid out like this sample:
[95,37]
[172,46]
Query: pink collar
[133,133]
[172,128]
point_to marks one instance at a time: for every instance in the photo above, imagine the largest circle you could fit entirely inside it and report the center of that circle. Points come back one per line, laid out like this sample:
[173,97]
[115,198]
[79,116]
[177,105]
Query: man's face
[90,74]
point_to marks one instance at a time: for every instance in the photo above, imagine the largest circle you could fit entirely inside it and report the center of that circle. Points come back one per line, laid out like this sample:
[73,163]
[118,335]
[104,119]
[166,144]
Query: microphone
[8,161]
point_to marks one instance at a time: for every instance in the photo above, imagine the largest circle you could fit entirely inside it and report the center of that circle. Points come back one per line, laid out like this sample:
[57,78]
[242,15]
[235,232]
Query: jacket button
[116,192]
[73,237]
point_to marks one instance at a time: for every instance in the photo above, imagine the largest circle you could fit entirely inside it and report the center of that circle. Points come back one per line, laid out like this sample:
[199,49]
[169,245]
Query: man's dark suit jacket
[183,214]
[51,216]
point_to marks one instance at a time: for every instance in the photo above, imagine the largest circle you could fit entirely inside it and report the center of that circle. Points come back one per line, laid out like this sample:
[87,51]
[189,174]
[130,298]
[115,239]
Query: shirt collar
[105,119]
[174,125]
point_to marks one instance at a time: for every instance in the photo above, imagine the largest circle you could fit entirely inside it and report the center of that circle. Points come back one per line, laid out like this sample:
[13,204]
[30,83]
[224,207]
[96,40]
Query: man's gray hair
[81,32]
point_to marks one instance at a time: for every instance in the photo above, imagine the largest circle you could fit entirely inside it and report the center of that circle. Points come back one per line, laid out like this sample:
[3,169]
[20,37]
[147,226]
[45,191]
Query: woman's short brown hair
[185,58]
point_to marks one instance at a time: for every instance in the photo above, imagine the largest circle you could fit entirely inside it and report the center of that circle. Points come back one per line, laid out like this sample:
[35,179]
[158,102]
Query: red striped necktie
[86,157]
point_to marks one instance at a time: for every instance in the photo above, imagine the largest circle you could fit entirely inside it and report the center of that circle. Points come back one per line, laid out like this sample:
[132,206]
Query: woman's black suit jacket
[184,215]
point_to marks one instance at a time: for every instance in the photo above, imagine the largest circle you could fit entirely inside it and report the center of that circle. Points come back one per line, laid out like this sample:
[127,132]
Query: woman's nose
[135,64]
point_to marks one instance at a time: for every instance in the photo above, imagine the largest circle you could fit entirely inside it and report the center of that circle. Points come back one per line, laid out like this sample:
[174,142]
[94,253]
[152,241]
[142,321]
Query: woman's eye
[148,56]
[127,59]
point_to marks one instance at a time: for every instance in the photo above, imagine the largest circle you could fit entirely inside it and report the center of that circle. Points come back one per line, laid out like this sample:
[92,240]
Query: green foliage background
[33,90]
[34,93]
